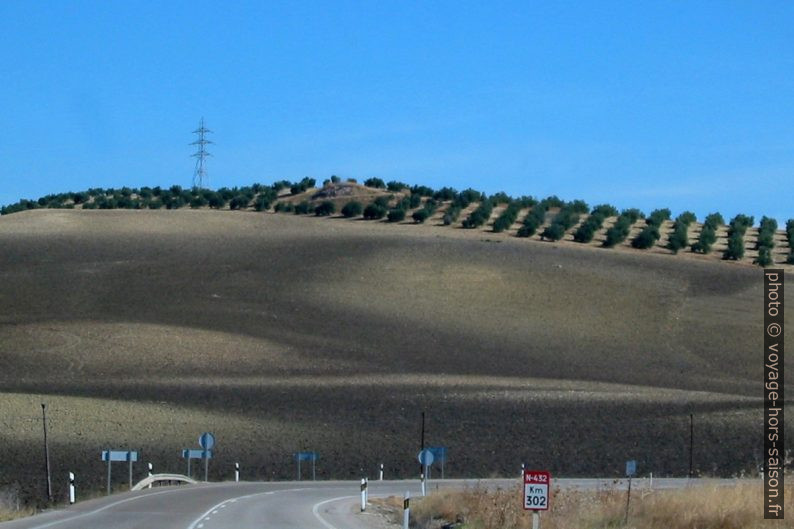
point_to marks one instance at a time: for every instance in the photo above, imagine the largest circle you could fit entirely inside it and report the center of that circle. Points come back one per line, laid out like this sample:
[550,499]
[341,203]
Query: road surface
[272,505]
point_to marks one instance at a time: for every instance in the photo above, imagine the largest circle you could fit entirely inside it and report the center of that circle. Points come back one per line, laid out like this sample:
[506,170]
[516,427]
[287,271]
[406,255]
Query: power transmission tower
[200,173]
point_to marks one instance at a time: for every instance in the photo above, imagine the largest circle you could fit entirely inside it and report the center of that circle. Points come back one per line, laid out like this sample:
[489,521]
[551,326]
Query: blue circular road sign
[206,441]
[426,457]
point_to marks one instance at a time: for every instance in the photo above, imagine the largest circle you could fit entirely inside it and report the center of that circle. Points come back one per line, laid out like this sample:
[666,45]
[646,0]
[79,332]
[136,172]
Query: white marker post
[71,488]
[380,475]
[363,494]
[406,509]
[150,474]
[522,470]
[424,486]
[236,472]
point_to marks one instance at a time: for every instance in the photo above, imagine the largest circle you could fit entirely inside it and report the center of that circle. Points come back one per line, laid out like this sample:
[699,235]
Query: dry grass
[281,333]
[12,506]
[701,506]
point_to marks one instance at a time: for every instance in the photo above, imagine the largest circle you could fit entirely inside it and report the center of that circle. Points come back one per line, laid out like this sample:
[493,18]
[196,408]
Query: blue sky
[687,105]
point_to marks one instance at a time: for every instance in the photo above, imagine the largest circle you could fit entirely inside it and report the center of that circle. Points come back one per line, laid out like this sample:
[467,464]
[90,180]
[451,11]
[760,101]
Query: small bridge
[163,479]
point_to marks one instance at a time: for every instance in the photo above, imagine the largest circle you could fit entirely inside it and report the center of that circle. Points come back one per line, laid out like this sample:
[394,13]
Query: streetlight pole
[46,452]
[691,444]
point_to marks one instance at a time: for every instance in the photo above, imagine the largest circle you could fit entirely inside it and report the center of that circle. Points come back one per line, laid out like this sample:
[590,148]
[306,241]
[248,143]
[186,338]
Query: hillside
[282,333]
[737,240]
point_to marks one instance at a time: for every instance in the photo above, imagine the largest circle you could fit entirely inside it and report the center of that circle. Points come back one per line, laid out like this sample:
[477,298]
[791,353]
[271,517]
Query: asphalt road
[274,505]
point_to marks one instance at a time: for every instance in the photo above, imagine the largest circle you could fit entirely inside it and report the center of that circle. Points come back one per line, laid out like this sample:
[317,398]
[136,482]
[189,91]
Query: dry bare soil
[279,333]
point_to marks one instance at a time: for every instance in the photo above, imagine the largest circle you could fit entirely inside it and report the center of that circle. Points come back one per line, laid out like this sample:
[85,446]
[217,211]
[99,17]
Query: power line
[200,173]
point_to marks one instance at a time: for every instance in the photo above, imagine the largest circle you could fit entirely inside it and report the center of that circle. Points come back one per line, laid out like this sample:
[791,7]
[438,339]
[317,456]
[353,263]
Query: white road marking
[108,506]
[205,516]
[316,513]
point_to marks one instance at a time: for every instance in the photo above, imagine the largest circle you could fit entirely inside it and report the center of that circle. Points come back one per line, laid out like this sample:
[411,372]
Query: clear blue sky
[688,105]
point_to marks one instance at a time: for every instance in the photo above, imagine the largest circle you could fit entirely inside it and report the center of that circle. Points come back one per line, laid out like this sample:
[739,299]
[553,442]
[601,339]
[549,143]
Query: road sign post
[439,455]
[631,470]
[192,453]
[306,456]
[119,455]
[537,484]
[425,459]
[207,442]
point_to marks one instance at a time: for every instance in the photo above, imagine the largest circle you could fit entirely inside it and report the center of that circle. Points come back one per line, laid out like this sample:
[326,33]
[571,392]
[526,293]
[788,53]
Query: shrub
[563,221]
[708,233]
[587,230]
[375,182]
[414,201]
[605,210]
[302,208]
[620,230]
[155,203]
[507,218]
[657,217]
[374,211]
[396,186]
[281,184]
[766,233]
[501,198]
[646,238]
[396,215]
[578,206]
[420,215]
[633,214]
[467,196]
[174,202]
[216,201]
[197,202]
[383,201]
[679,239]
[534,219]
[553,232]
[445,193]
[479,216]
[422,191]
[735,250]
[238,202]
[303,185]
[284,207]
[764,257]
[335,179]
[451,215]
[325,208]
[738,227]
[352,209]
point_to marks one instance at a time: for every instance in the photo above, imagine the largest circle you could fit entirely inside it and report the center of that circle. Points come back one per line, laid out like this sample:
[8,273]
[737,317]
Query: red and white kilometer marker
[536,490]
[536,493]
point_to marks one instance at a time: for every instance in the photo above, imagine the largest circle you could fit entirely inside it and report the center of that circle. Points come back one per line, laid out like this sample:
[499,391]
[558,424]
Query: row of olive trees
[424,213]
[587,229]
[736,230]
[679,239]
[708,233]
[650,234]
[790,238]
[565,219]
[537,216]
[620,230]
[766,241]
[479,216]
